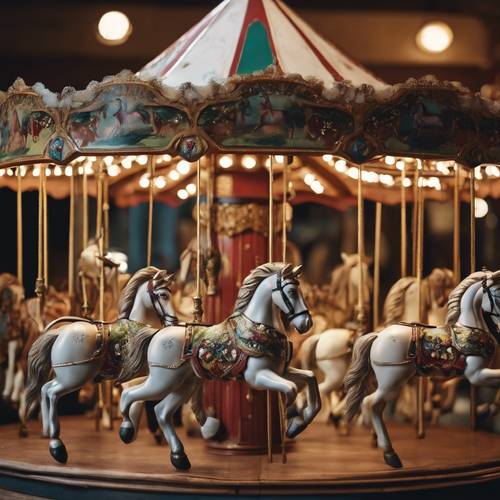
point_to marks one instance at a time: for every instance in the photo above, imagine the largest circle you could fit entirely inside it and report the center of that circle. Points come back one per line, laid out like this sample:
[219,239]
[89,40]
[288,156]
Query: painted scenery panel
[275,121]
[126,117]
[24,131]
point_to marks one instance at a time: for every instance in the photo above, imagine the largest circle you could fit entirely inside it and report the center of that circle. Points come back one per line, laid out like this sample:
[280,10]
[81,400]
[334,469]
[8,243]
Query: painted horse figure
[249,344]
[466,344]
[80,350]
[330,351]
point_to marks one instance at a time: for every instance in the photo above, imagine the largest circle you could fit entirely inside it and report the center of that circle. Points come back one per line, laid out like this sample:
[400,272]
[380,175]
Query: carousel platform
[321,462]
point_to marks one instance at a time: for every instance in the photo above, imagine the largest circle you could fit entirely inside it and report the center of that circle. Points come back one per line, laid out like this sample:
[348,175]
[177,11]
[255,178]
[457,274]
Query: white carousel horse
[466,344]
[79,350]
[249,344]
[330,351]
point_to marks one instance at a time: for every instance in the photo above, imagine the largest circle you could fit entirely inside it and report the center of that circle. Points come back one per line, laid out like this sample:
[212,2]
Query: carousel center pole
[472,187]
[198,307]
[40,280]
[151,170]
[361,318]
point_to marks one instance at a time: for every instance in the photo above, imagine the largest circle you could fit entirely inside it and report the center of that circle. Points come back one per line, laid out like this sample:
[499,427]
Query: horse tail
[136,355]
[307,352]
[355,378]
[39,366]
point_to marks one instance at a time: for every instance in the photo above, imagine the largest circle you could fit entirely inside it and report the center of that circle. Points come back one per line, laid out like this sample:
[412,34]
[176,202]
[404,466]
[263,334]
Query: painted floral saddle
[441,351]
[221,351]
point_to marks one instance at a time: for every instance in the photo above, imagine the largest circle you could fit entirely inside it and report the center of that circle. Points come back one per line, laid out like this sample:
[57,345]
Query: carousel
[253,379]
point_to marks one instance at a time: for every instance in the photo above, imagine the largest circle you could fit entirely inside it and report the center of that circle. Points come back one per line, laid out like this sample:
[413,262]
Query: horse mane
[129,292]
[395,302]
[253,280]
[339,284]
[456,295]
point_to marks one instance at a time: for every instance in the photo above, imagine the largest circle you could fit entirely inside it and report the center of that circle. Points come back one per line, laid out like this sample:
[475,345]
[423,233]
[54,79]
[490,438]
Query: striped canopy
[244,36]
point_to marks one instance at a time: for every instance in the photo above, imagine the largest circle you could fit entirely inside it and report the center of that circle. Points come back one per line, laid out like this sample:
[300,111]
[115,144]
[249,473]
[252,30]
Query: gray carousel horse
[466,344]
[79,350]
[249,344]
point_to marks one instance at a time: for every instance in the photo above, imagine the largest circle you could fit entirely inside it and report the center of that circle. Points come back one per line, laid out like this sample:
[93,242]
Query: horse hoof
[180,460]
[210,428]
[294,429]
[126,434]
[158,438]
[59,453]
[335,420]
[23,431]
[392,459]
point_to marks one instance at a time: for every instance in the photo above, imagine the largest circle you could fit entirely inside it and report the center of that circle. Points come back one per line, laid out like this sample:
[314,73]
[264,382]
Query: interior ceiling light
[434,37]
[114,28]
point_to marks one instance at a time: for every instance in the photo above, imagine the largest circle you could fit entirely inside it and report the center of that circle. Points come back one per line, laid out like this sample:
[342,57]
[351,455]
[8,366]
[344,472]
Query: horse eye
[164,296]
[293,293]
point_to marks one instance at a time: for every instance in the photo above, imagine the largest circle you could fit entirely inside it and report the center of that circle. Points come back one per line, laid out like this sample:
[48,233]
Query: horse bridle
[280,287]
[165,317]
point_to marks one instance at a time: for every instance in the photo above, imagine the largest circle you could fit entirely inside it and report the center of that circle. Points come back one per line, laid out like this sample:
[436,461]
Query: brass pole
[414,229]
[198,308]
[361,319]
[71,238]
[283,212]
[85,210]
[45,233]
[456,225]
[40,280]
[270,259]
[105,210]
[19,227]
[376,264]
[150,210]
[403,224]
[472,188]
[100,236]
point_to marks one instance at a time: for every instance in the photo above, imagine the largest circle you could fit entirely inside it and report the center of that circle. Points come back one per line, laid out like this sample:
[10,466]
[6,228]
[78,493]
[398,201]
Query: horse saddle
[441,351]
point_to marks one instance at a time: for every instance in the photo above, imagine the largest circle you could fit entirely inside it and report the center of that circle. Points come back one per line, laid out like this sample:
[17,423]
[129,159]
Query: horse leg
[477,373]
[209,424]
[390,380]
[23,429]
[334,370]
[17,386]
[9,373]
[44,405]
[164,411]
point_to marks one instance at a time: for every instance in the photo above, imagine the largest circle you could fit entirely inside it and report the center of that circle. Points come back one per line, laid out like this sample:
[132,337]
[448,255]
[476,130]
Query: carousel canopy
[244,36]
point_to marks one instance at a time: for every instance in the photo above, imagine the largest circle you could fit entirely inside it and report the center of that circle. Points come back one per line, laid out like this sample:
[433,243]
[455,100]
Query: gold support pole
[270,259]
[456,225]
[151,168]
[19,227]
[198,308]
[403,224]
[283,212]
[376,264]
[71,239]
[45,234]
[85,210]
[472,188]
[100,236]
[414,219]
[361,319]
[105,210]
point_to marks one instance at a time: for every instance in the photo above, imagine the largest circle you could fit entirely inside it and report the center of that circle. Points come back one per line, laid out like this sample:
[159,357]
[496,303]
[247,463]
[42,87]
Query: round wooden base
[320,462]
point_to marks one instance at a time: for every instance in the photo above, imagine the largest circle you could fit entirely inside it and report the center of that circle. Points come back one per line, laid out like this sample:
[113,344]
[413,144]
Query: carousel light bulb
[182,194]
[160,182]
[36,171]
[317,187]
[114,28]
[327,158]
[174,175]
[341,165]
[225,161]
[167,158]
[57,171]
[113,170]
[477,173]
[390,160]
[142,159]
[400,164]
[191,188]
[68,171]
[127,162]
[279,158]
[406,182]
[492,171]
[2,172]
[480,208]
[89,170]
[434,37]
[309,178]
[248,161]
[370,176]
[108,160]
[24,169]
[92,158]
[183,167]
[144,181]
[353,172]
[10,172]
[81,170]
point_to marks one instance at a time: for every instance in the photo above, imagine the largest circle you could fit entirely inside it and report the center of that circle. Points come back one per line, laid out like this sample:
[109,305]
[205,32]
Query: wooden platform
[320,462]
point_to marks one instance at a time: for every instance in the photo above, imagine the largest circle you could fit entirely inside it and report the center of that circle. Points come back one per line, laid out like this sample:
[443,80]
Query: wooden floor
[320,462]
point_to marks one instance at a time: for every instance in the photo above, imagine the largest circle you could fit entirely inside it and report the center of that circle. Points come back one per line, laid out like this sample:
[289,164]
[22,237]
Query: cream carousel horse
[466,344]
[79,350]
[330,351]
[248,344]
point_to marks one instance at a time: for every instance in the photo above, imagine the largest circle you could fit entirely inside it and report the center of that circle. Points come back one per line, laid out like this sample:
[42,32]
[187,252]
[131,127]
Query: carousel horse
[79,350]
[465,345]
[249,345]
[330,350]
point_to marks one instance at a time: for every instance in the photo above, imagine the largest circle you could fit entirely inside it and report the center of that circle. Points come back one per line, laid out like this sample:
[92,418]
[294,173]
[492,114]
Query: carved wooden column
[240,224]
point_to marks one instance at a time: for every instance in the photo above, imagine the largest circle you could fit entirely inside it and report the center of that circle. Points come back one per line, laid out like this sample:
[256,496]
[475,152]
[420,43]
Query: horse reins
[166,318]
[280,287]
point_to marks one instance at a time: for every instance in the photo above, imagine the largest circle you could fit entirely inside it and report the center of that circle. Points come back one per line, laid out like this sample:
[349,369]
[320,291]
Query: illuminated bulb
[308,179]
[174,175]
[166,157]
[317,187]
[80,170]
[400,164]
[127,162]
[434,37]
[225,161]
[36,171]
[2,172]
[114,170]
[191,188]
[92,158]
[327,158]
[340,165]
[144,181]
[183,167]
[48,172]
[406,182]
[10,172]
[57,171]
[68,171]
[108,160]
[88,169]
[370,176]
[142,159]
[114,28]
[248,162]
[279,159]
[386,179]
[492,171]
[182,194]
[24,169]
[390,160]
[353,172]
[477,173]
[480,208]
[160,182]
